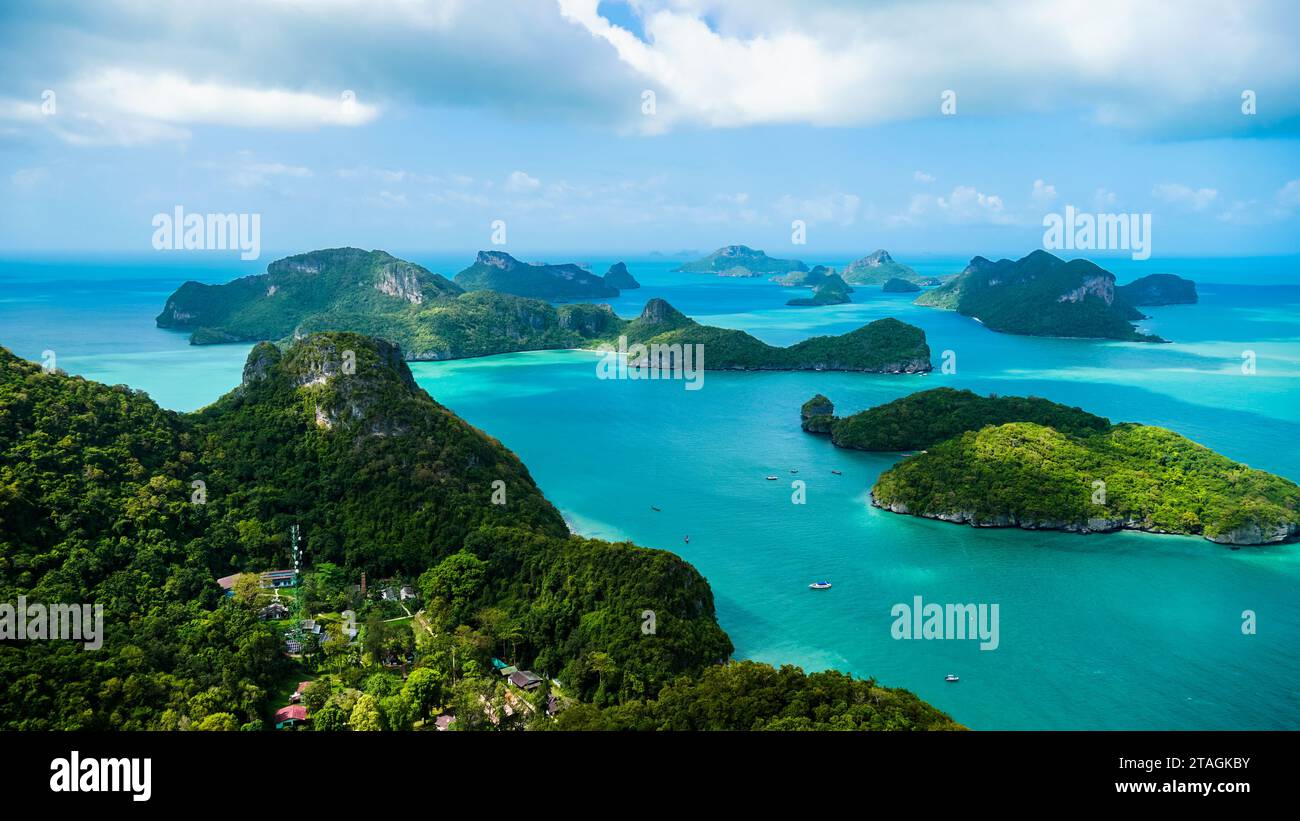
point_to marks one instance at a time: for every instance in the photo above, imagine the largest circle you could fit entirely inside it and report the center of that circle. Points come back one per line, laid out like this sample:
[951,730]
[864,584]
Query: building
[297,694]
[274,610]
[525,679]
[270,579]
[444,721]
[290,716]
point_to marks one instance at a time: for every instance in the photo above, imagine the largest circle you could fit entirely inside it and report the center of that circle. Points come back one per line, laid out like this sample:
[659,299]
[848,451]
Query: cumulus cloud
[521,182]
[1197,199]
[965,205]
[1043,193]
[922,177]
[825,62]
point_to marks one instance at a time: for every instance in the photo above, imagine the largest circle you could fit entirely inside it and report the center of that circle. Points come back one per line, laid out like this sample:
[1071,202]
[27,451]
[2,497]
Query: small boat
[771,478]
[950,677]
[837,473]
[687,539]
[792,470]
[655,509]
[820,586]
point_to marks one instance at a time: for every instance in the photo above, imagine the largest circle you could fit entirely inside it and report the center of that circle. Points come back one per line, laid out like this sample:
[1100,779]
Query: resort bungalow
[297,694]
[290,716]
[525,679]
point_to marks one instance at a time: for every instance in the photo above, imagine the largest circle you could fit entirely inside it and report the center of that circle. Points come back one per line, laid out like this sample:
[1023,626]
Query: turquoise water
[1104,631]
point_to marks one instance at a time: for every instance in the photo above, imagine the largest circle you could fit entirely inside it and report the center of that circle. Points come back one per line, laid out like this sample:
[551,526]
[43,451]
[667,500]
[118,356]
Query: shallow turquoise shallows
[1103,631]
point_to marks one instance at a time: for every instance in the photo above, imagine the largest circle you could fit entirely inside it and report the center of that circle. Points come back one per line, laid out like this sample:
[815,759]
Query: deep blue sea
[1127,631]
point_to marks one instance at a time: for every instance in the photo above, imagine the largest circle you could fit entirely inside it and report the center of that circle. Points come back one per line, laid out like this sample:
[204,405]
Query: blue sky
[465,112]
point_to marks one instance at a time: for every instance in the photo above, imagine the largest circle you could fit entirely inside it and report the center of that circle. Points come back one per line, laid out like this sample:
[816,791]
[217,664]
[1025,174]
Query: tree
[247,588]
[316,695]
[424,689]
[366,716]
[329,719]
[458,579]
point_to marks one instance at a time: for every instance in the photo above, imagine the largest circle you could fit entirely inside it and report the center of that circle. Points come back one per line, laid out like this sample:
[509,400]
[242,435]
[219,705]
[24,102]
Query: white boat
[951,677]
[771,478]
[820,586]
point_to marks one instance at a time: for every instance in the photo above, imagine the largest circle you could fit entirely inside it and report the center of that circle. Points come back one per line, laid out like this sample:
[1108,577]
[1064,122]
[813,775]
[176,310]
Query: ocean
[1106,631]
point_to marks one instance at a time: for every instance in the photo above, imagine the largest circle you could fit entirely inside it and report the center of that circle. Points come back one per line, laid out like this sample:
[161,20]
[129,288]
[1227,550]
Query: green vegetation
[481,323]
[498,271]
[883,346]
[1040,295]
[894,285]
[877,269]
[1126,476]
[829,290]
[741,261]
[925,418]
[99,503]
[750,696]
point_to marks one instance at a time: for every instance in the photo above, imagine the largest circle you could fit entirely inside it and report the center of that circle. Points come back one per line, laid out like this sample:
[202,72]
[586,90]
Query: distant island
[1031,463]
[500,272]
[1158,289]
[804,279]
[431,318]
[618,277]
[878,268]
[894,285]
[828,290]
[1042,295]
[741,261]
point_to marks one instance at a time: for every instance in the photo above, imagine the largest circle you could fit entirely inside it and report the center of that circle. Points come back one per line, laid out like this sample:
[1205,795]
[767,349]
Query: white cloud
[922,177]
[965,205]
[520,182]
[256,174]
[826,62]
[1197,199]
[1043,193]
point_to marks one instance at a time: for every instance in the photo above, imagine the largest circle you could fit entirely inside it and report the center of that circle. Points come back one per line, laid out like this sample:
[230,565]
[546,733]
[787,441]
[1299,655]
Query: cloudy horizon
[651,125]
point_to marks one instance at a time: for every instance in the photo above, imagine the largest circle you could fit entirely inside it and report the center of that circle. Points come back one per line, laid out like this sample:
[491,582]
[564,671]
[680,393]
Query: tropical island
[1030,463]
[878,268]
[1158,289]
[895,285]
[741,261]
[431,318]
[1041,295]
[328,453]
[827,290]
[619,277]
[500,272]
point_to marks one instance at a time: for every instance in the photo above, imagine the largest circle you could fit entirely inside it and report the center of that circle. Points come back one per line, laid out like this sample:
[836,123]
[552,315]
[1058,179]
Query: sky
[922,127]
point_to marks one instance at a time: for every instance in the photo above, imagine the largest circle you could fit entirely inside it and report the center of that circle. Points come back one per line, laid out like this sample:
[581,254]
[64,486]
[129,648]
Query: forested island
[827,290]
[1031,463]
[1043,295]
[107,498]
[878,268]
[431,318]
[741,261]
[500,272]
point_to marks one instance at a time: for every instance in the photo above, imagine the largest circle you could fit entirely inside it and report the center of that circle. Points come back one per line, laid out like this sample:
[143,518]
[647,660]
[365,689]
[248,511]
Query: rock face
[899,286]
[618,277]
[1158,289]
[498,271]
[658,311]
[741,261]
[261,360]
